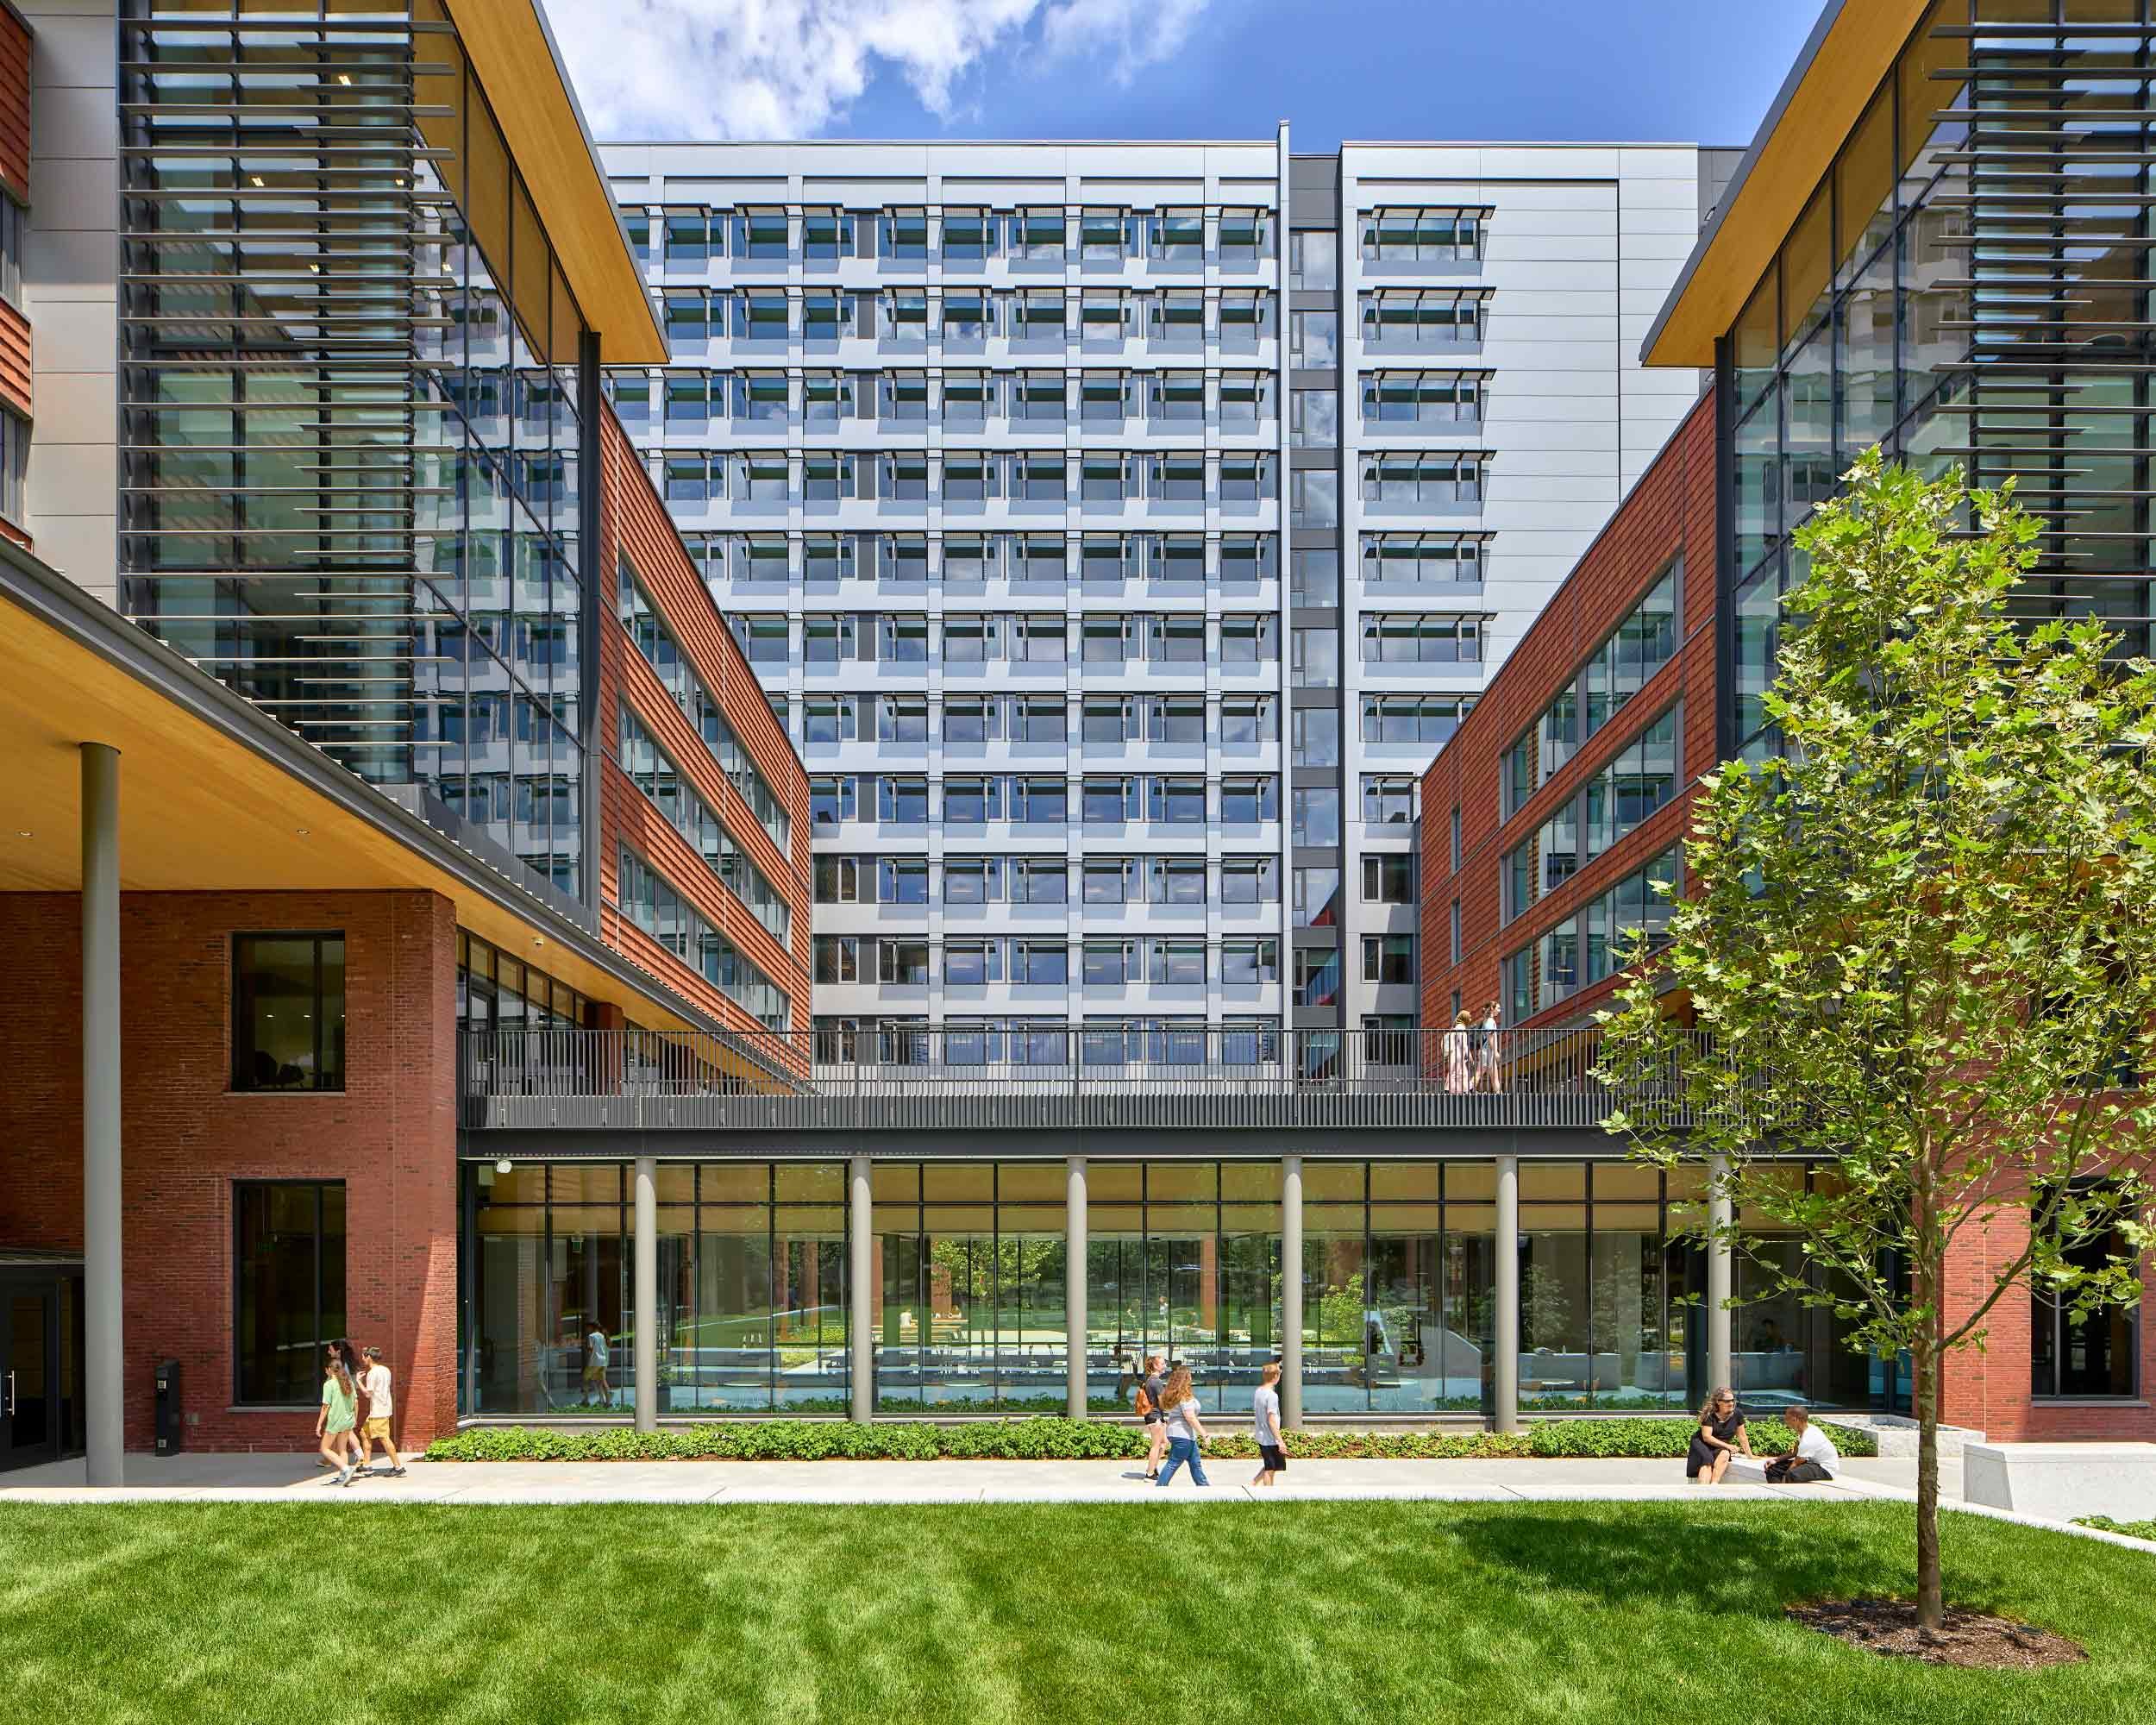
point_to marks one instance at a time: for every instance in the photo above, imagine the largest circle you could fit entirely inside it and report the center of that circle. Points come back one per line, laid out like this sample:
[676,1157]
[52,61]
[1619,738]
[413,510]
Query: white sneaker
[344,1475]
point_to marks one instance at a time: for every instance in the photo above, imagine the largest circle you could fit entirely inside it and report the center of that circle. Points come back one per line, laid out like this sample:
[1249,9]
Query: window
[288,1287]
[1409,318]
[1109,964]
[1405,476]
[1313,259]
[1388,878]
[1316,897]
[1459,944]
[1388,799]
[1037,719]
[1245,720]
[903,963]
[1109,880]
[1442,559]
[1315,576]
[653,771]
[1388,959]
[1314,418]
[1179,235]
[903,234]
[903,801]
[1249,879]
[840,880]
[1040,963]
[1317,975]
[1421,638]
[1317,815]
[649,900]
[1455,839]
[837,958]
[1249,964]
[973,881]
[970,235]
[902,879]
[2092,1356]
[1313,498]
[902,719]
[1313,338]
[1316,736]
[1633,652]
[972,719]
[1246,800]
[762,638]
[1038,881]
[1176,880]
[971,963]
[1315,662]
[1594,942]
[288,1012]
[1178,963]
[1421,235]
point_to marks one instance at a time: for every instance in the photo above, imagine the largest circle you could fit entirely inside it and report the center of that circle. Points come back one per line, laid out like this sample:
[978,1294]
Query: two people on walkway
[1467,1054]
[350,1376]
[1169,1408]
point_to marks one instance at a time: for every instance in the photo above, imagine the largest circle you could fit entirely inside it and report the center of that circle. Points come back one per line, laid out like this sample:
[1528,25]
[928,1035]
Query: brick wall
[390,1136]
[1669,514]
[1988,1387]
[633,519]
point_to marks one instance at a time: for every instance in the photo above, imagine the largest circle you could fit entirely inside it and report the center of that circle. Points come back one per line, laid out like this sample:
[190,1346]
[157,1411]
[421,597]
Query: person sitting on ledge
[1813,1459]
[1722,1436]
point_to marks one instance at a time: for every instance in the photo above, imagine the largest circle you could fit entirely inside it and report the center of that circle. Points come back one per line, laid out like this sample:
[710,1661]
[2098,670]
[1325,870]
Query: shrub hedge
[1045,1439]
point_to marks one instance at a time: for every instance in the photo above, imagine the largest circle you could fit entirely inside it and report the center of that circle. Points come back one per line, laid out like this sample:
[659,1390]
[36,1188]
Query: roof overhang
[218,796]
[513,52]
[1850,48]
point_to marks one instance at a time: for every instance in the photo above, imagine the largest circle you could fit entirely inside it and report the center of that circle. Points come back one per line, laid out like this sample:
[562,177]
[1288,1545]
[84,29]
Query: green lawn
[1290,1612]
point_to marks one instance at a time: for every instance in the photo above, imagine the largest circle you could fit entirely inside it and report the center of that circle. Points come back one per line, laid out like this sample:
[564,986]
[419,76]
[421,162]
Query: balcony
[1116,1076]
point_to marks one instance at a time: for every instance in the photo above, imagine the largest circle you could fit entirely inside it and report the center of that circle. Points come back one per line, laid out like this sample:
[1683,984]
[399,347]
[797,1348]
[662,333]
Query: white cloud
[790,68]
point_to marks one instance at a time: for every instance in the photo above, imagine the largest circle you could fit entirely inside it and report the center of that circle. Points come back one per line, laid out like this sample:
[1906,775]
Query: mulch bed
[1973,1638]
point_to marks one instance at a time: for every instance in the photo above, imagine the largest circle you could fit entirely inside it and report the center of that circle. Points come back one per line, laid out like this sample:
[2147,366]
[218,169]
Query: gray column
[1075,1287]
[1720,1215]
[646,1294]
[104,1387]
[1505,1332]
[861,1337]
[1290,1292]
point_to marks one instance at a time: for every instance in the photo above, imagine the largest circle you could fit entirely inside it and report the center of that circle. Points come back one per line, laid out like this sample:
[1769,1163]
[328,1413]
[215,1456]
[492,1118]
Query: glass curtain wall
[1969,284]
[752,1289]
[352,458]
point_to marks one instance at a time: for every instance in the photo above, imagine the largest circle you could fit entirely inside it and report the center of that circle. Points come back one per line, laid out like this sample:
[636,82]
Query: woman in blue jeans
[1185,1431]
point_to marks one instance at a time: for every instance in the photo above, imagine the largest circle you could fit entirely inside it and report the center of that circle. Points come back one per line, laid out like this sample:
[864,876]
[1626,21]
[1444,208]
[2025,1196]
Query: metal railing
[907,1077]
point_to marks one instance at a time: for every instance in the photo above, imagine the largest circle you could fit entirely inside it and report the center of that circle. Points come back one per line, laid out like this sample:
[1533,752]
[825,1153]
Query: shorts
[1154,1418]
[594,1370]
[1275,1457]
[333,1430]
[378,1429]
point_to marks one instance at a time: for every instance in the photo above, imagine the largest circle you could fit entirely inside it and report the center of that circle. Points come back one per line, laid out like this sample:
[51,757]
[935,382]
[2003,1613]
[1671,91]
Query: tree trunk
[1931,1605]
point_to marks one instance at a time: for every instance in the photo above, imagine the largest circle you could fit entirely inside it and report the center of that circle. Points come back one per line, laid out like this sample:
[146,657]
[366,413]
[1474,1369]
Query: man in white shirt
[1813,1459]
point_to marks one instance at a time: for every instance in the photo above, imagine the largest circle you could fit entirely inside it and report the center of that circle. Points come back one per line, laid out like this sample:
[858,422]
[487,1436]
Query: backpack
[1145,1402]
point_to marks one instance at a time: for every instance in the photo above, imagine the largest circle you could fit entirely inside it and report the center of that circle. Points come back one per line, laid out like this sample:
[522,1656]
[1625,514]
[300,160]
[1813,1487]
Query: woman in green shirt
[332,1425]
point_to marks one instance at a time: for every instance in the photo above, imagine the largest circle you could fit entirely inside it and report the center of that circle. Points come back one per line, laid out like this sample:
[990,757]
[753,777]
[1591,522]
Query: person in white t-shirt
[1265,1427]
[381,1405]
[1813,1459]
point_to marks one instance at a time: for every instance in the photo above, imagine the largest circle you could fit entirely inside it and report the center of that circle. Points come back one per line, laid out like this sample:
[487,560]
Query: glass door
[29,1428]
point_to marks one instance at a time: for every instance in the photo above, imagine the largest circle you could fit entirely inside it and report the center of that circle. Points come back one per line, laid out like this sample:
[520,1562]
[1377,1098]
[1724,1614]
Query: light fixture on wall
[503,1166]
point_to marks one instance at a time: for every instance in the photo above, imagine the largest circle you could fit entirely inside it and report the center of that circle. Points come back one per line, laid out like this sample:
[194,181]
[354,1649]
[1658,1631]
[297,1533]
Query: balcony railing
[1144,1076]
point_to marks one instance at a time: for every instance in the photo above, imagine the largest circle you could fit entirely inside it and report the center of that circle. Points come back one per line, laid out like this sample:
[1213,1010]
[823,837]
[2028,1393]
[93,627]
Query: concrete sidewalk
[294,1479]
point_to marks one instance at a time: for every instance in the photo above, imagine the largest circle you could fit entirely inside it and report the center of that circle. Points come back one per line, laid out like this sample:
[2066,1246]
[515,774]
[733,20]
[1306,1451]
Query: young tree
[1921,942]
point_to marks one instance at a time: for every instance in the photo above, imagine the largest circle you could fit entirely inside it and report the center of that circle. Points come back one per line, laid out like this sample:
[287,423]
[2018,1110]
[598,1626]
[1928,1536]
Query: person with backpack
[1185,1431]
[1146,1406]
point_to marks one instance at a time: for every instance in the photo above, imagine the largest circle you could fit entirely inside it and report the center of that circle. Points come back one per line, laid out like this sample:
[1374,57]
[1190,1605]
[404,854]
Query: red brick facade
[633,520]
[186,1138]
[1669,515]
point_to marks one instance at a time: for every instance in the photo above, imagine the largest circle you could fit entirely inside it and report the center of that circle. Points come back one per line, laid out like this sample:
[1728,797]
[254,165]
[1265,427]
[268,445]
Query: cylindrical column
[861,1280]
[1719,1217]
[647,1291]
[1505,1337]
[105,1388]
[1075,1287]
[1290,1291]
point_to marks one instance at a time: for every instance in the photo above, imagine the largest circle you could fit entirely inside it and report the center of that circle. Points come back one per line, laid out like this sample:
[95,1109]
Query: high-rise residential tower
[1119,529]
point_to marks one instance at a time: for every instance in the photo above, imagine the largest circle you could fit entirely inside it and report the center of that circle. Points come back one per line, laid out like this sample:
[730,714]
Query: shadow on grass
[1712,1564]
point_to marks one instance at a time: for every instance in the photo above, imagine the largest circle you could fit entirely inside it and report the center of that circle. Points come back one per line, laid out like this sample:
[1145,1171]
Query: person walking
[381,1405]
[1185,1431]
[1150,1389]
[333,1425]
[596,1359]
[349,1357]
[1486,1040]
[1272,1447]
[1454,1062]
[1720,1439]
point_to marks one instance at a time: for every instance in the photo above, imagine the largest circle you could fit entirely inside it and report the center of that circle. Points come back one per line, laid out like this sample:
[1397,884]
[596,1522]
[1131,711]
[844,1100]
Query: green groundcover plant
[2133,1530]
[1048,1439]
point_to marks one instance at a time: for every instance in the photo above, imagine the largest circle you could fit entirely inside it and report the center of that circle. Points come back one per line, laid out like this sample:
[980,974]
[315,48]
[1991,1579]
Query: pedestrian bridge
[1104,1088]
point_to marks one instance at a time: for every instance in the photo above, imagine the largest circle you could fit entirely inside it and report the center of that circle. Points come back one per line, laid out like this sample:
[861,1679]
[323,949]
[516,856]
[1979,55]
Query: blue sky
[1693,70]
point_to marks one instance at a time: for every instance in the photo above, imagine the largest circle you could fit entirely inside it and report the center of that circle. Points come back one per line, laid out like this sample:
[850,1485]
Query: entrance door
[29,1410]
